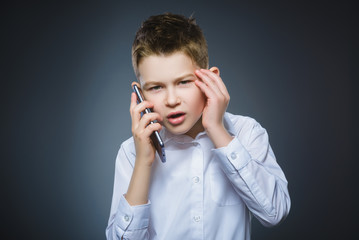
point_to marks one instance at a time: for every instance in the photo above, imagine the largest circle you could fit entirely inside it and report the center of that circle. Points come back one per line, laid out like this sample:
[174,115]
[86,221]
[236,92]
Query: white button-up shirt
[202,192]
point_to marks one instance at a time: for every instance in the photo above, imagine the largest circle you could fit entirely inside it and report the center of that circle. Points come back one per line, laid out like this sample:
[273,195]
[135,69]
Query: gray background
[66,74]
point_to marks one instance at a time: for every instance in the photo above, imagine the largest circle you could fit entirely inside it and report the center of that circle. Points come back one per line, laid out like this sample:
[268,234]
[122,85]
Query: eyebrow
[176,79]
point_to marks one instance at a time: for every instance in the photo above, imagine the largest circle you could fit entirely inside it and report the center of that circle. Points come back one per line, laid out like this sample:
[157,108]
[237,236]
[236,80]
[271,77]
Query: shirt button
[233,155]
[197,218]
[196,179]
[126,218]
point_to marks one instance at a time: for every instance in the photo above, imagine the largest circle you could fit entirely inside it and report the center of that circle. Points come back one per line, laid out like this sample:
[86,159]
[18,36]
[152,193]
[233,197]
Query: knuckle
[151,126]
[134,110]
[135,135]
[134,131]
[147,103]
[147,116]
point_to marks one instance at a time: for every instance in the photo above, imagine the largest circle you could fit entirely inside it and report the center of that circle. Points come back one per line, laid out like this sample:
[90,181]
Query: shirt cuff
[132,217]
[233,157]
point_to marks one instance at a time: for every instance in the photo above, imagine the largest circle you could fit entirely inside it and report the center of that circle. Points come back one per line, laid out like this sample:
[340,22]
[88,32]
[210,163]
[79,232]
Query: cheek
[201,104]
[157,105]
[199,100]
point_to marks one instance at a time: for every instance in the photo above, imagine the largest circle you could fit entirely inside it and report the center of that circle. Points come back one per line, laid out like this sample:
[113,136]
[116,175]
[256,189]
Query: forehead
[163,68]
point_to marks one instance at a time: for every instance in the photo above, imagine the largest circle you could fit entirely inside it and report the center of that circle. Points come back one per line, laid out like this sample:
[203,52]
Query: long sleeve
[250,165]
[201,192]
[126,222]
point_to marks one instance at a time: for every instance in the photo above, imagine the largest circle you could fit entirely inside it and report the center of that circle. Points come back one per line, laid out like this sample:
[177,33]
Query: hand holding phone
[155,136]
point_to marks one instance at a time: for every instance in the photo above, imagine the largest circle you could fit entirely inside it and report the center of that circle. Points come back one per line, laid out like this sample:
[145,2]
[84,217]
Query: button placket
[197,191]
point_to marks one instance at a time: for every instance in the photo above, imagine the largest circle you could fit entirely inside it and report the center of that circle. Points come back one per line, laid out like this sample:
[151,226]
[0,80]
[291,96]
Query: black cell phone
[155,136]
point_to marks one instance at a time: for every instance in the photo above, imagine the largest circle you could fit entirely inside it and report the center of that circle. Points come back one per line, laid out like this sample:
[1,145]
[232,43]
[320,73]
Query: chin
[178,130]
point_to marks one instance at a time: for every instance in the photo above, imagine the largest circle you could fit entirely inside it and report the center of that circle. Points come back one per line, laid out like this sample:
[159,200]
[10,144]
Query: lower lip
[176,121]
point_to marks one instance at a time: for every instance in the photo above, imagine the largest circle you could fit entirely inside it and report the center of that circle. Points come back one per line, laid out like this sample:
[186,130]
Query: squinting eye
[155,88]
[184,82]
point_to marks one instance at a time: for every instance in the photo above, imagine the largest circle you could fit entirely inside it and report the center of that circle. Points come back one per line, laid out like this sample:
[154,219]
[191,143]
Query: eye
[155,88]
[184,82]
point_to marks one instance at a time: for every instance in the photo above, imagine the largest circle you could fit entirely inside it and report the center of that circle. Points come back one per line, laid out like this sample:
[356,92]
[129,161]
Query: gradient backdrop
[66,91]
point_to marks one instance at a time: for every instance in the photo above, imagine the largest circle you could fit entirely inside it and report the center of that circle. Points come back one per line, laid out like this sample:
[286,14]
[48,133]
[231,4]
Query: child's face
[168,82]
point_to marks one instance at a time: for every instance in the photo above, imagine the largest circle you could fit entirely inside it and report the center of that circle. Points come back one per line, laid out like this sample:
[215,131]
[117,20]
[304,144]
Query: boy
[220,168]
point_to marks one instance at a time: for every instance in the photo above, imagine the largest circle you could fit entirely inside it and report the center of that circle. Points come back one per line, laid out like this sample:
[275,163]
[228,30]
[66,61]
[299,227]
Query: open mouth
[176,117]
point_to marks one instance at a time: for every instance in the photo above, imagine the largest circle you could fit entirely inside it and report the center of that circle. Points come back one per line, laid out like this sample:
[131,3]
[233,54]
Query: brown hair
[166,34]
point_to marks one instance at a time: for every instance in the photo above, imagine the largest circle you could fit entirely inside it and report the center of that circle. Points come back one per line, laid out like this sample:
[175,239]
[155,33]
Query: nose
[172,98]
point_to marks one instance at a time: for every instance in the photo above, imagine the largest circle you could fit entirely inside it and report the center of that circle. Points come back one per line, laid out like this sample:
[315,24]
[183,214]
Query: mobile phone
[155,136]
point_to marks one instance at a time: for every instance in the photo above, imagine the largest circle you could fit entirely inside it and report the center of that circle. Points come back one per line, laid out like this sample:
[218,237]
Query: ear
[135,83]
[214,70]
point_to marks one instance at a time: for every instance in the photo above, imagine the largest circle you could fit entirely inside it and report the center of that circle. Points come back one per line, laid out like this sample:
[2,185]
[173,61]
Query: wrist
[219,136]
[137,192]
[144,160]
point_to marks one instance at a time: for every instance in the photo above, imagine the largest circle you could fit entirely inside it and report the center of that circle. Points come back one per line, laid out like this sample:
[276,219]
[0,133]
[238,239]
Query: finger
[148,118]
[210,83]
[143,105]
[136,110]
[151,128]
[205,89]
[217,80]
[135,116]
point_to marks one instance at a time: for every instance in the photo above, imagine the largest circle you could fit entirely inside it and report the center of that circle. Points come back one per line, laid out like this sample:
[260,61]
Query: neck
[197,128]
